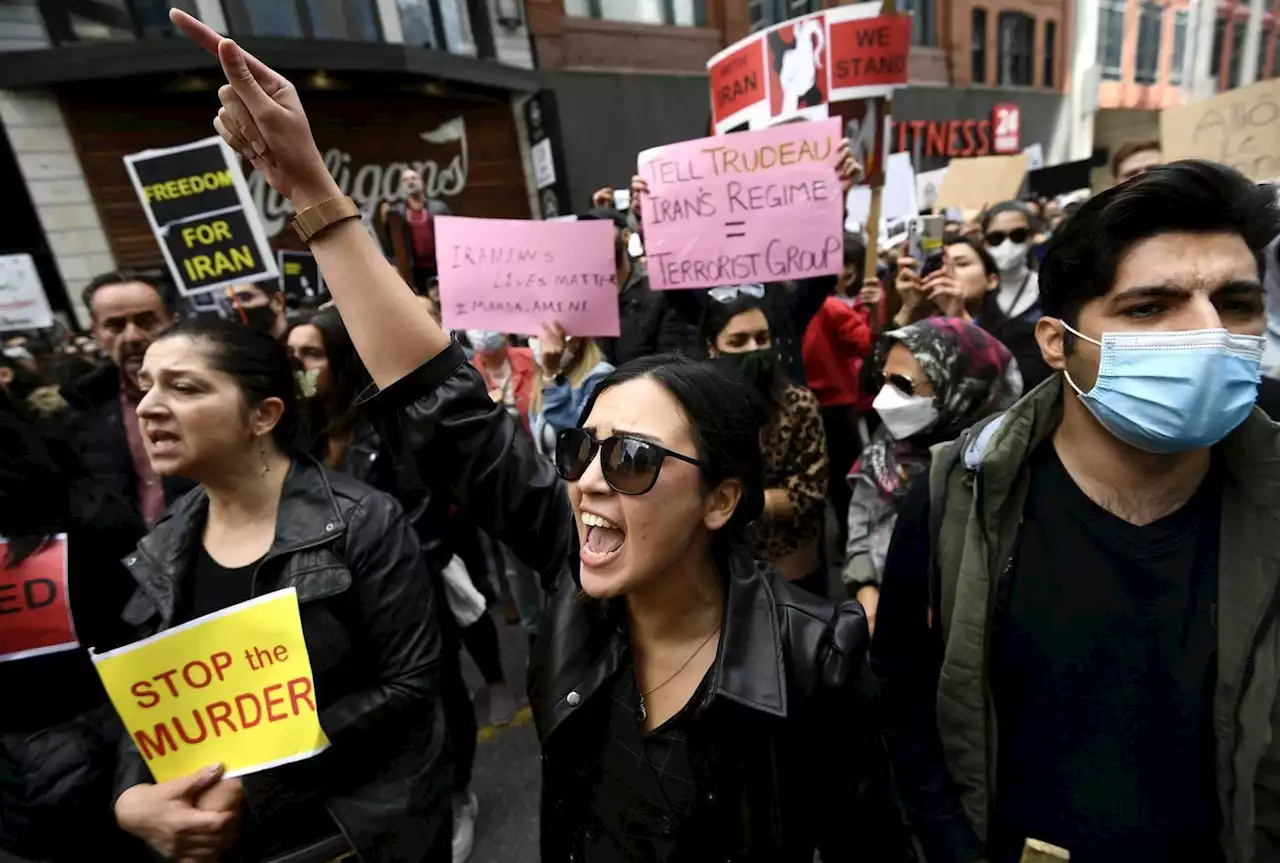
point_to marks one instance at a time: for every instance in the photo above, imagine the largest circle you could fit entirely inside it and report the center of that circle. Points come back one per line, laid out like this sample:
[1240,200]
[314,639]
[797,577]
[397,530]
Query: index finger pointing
[196,30]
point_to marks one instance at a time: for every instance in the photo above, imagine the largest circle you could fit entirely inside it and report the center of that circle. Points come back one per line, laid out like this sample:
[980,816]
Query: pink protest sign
[760,206]
[513,275]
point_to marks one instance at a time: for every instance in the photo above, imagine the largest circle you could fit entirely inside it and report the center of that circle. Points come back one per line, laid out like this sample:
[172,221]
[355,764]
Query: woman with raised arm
[686,697]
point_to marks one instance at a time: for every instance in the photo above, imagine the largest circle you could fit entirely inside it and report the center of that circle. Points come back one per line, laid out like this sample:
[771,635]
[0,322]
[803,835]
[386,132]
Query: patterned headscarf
[972,374]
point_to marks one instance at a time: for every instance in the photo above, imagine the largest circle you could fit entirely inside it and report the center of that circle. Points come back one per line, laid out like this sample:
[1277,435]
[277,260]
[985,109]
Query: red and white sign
[35,607]
[795,69]
[1006,129]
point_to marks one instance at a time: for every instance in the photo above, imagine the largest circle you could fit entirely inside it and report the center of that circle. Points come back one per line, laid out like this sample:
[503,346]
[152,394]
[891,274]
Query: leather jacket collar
[749,669]
[308,515]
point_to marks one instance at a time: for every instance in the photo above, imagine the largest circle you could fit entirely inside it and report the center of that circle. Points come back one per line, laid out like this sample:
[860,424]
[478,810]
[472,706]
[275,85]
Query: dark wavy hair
[333,413]
[258,363]
[725,418]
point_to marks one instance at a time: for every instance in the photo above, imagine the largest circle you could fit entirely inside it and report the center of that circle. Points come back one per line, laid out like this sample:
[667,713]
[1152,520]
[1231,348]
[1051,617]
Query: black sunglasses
[1018,235]
[630,464]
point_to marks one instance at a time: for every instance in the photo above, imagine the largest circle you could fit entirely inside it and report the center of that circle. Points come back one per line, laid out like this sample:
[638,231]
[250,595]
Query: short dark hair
[154,278]
[258,363]
[725,418]
[1128,149]
[855,250]
[717,314]
[1193,196]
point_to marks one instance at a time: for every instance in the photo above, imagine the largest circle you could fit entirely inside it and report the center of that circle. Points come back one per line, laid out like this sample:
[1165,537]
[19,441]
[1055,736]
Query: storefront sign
[300,275]
[199,208]
[23,303]
[759,206]
[959,139]
[35,606]
[233,687]
[515,275]
[795,69]
[1240,128]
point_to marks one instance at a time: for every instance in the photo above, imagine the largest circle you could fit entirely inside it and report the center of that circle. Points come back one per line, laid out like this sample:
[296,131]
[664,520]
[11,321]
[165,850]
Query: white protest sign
[899,203]
[23,304]
[544,164]
[928,185]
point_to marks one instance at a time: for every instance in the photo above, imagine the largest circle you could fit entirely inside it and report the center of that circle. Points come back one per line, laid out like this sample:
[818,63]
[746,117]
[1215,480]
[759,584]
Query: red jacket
[838,339]
[522,380]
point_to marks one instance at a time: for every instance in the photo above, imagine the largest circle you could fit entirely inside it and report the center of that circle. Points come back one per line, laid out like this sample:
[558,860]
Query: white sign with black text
[23,304]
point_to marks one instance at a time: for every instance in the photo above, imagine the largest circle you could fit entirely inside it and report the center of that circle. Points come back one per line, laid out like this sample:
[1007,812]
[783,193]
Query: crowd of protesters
[917,564]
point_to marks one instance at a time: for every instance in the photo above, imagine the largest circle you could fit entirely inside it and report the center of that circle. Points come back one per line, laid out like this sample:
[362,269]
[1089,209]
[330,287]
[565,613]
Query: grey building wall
[606,119]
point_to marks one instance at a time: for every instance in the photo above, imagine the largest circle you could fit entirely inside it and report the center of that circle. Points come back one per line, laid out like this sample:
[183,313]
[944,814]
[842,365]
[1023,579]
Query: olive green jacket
[985,491]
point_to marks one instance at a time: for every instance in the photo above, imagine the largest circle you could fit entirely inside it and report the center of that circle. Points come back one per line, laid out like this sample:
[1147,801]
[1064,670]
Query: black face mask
[754,368]
[260,318]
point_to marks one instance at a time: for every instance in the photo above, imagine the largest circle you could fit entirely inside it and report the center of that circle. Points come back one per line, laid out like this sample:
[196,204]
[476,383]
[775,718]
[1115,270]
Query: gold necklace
[643,713]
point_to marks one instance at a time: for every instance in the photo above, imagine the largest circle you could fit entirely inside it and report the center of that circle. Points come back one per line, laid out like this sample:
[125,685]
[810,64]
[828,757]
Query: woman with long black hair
[736,334]
[685,696]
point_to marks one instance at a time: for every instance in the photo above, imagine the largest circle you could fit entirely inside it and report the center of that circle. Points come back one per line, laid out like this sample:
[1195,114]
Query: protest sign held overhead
[797,68]
[972,184]
[754,207]
[23,302]
[199,208]
[513,275]
[300,275]
[35,607]
[1240,128]
[233,687]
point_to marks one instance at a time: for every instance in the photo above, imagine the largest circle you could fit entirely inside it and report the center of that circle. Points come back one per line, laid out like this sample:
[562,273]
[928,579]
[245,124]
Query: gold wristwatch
[325,214]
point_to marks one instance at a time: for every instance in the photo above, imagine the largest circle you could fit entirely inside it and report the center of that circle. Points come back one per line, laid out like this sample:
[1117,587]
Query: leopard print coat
[795,459]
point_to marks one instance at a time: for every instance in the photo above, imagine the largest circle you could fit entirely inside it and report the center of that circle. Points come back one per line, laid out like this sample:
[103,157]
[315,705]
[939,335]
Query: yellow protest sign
[233,687]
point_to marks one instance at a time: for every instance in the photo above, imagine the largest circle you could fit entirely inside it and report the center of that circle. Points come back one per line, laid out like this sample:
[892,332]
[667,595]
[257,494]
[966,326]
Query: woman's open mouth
[162,442]
[603,541]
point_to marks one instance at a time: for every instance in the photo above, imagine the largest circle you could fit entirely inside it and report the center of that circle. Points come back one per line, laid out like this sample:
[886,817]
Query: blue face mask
[486,341]
[1172,392]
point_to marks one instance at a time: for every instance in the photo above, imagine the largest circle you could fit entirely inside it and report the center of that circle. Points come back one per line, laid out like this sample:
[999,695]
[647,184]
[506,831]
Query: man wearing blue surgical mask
[1078,635]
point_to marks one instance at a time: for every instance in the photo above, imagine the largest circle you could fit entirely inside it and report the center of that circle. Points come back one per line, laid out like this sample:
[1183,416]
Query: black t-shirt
[215,587]
[1102,668]
[643,783]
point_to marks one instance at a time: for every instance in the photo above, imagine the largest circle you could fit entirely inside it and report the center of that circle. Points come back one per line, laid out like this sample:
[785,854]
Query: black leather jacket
[772,752]
[368,618]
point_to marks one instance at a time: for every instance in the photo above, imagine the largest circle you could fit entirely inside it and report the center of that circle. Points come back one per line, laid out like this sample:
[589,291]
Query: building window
[1237,54]
[418,23]
[1150,22]
[1177,67]
[978,44]
[304,19]
[1218,58]
[1017,33]
[1050,52]
[1111,38]
[922,23]
[680,13]
[761,13]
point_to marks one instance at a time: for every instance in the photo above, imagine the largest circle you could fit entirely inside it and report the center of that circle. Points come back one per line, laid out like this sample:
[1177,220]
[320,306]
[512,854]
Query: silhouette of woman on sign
[797,65]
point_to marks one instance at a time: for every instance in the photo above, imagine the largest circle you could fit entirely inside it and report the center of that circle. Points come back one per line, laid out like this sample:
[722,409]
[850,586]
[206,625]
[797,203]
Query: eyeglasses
[1018,235]
[630,464]
[729,293]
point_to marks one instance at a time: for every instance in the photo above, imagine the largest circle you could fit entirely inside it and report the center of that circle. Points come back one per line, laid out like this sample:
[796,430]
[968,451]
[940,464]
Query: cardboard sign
[1240,128]
[973,184]
[300,274]
[513,276]
[753,207]
[233,687]
[35,605]
[796,69]
[199,208]
[23,303]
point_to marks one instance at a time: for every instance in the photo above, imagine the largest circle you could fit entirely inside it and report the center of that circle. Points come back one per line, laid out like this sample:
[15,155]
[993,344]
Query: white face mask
[1010,256]
[904,415]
